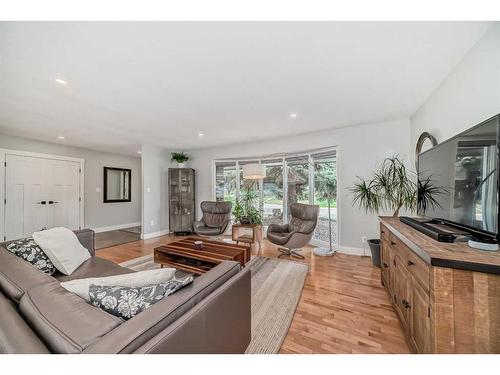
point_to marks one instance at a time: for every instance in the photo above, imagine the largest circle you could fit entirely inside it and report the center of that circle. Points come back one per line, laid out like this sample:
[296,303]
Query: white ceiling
[164,82]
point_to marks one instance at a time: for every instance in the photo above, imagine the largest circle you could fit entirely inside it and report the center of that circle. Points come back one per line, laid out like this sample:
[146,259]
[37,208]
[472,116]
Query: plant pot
[244,220]
[375,250]
[181,165]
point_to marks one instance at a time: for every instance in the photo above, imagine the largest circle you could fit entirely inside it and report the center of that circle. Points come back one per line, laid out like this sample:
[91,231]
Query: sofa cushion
[63,248]
[126,302]
[137,279]
[28,250]
[16,337]
[65,322]
[17,275]
[94,267]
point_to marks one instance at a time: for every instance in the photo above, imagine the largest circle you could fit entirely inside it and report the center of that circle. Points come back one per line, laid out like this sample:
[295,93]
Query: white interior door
[63,189]
[40,193]
[25,191]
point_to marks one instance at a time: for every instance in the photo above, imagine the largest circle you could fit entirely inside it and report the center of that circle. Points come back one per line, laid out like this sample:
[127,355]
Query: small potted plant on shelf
[393,188]
[180,158]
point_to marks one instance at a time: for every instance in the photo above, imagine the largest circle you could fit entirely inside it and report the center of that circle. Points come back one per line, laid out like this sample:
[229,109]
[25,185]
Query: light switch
[148,189]
[98,189]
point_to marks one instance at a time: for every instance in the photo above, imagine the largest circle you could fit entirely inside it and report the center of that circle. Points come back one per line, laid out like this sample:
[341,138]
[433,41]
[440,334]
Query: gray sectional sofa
[211,315]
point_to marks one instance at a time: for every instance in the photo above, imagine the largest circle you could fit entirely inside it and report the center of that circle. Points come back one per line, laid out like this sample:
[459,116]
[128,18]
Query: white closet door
[40,193]
[25,192]
[63,194]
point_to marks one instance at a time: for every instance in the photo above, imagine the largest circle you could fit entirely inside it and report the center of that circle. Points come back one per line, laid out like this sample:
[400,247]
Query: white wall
[155,164]
[97,213]
[468,95]
[361,148]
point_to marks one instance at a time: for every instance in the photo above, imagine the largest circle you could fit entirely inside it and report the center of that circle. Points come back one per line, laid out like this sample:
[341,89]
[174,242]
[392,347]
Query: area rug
[276,289]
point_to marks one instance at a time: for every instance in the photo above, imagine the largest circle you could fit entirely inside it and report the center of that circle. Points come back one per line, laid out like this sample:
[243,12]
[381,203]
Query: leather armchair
[298,232]
[216,217]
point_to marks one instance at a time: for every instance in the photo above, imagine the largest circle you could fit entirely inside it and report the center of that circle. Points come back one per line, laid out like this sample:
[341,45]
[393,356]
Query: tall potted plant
[246,209]
[393,188]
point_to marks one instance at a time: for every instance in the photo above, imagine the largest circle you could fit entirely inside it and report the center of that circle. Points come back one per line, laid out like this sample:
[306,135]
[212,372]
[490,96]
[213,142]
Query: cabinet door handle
[42,202]
[410,263]
[385,265]
[405,304]
[382,232]
[393,243]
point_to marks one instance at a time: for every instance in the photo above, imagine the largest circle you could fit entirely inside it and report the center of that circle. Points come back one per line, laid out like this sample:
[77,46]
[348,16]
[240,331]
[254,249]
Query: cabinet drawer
[416,266]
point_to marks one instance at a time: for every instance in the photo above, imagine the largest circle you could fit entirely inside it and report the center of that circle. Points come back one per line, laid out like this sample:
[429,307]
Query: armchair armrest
[280,228]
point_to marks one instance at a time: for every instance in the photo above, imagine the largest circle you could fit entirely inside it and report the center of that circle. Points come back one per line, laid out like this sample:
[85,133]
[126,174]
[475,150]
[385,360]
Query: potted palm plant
[393,188]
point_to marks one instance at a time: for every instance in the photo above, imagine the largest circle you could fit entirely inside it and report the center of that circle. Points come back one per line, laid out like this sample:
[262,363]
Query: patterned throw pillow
[126,302]
[28,250]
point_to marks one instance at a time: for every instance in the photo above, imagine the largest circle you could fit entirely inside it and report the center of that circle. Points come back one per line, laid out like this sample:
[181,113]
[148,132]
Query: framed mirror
[117,185]
[425,142]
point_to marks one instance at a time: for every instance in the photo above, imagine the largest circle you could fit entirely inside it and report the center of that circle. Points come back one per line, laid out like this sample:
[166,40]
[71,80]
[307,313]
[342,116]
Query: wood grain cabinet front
[407,281]
[419,319]
[442,309]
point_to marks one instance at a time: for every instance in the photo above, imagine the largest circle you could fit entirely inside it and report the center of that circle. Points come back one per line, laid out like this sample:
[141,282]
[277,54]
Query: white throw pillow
[63,248]
[135,279]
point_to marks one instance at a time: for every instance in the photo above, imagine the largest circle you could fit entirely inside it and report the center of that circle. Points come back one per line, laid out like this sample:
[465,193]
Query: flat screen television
[464,169]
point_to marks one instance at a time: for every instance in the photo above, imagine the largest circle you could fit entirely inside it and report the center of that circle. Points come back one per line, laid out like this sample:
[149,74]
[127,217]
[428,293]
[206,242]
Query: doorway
[40,191]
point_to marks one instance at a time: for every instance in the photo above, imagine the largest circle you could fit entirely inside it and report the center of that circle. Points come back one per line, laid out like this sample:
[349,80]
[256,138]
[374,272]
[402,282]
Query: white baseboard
[115,227]
[353,251]
[343,249]
[147,236]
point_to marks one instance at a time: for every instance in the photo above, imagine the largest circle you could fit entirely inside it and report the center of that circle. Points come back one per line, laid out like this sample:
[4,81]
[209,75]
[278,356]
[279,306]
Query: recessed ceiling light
[60,137]
[293,115]
[61,81]
[201,134]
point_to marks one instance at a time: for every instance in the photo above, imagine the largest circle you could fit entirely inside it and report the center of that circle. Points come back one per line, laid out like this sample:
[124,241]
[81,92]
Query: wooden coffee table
[182,254]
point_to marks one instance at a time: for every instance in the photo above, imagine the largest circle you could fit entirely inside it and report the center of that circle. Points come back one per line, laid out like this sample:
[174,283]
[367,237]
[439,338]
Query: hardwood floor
[343,308]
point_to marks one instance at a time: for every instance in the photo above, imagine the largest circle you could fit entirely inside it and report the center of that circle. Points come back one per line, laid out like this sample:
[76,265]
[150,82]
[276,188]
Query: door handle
[52,202]
[42,202]
[410,263]
[385,265]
